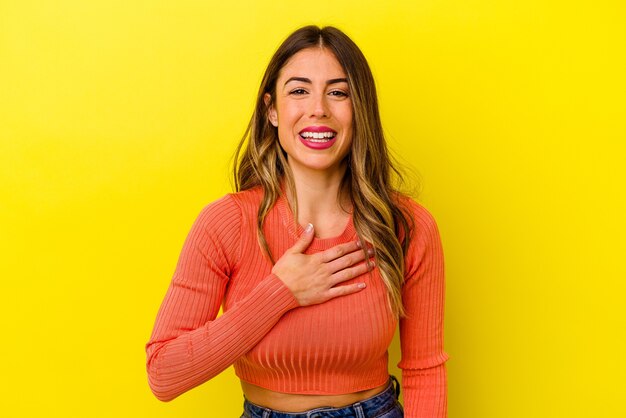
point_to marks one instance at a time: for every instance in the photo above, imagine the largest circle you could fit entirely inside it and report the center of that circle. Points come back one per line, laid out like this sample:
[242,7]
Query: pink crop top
[332,348]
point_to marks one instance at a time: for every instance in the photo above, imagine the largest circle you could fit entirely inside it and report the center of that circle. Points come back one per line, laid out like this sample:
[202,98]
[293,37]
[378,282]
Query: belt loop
[359,410]
[396,385]
[266,413]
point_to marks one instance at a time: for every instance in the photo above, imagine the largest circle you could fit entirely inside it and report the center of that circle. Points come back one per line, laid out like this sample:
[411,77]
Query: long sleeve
[189,343]
[424,377]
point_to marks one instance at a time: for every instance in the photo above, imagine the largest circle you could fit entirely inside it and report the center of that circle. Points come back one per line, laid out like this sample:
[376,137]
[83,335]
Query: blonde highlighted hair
[378,215]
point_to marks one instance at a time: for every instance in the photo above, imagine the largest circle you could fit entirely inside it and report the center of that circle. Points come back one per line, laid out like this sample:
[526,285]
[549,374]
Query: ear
[272,115]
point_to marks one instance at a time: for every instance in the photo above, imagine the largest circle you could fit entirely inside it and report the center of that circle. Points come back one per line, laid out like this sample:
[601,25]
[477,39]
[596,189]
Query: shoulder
[219,228]
[229,215]
[248,200]
[230,206]
[425,251]
[224,207]
[421,220]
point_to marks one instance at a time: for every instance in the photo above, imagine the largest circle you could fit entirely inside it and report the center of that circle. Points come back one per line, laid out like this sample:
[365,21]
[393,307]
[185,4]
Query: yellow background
[117,122]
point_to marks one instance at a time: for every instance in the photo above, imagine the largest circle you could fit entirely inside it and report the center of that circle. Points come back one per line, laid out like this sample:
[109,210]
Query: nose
[319,106]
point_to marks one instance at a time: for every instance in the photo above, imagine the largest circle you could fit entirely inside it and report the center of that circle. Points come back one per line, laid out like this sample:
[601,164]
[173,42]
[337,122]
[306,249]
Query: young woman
[315,258]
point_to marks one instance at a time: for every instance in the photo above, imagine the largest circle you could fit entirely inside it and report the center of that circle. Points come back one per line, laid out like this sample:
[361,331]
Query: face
[313,112]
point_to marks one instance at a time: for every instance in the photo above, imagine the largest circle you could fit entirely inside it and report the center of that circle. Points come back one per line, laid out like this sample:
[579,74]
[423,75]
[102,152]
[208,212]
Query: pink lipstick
[318,137]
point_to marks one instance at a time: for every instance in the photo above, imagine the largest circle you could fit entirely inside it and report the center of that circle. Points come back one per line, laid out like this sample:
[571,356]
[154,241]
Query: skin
[317,173]
[315,278]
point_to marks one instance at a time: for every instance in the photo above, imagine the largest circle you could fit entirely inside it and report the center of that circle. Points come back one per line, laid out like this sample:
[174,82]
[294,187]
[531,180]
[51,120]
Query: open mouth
[319,137]
[318,140]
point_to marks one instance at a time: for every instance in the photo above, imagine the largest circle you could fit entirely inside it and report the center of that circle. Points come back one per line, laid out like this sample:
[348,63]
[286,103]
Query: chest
[357,327]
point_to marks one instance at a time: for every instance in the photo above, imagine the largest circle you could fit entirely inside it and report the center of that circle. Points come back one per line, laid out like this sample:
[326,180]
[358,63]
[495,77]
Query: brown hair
[378,215]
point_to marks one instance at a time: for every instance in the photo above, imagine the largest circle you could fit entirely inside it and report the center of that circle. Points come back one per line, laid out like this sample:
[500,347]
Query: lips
[318,137]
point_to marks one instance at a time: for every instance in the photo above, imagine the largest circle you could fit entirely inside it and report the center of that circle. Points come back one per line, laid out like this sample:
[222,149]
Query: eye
[338,93]
[298,92]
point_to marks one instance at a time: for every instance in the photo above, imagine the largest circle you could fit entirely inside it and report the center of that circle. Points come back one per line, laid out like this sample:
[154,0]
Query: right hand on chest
[316,278]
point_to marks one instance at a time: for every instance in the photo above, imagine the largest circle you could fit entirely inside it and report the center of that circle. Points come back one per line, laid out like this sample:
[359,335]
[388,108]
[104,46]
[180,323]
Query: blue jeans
[383,405]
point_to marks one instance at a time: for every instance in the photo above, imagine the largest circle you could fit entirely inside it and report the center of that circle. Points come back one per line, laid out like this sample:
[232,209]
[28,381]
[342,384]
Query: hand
[315,278]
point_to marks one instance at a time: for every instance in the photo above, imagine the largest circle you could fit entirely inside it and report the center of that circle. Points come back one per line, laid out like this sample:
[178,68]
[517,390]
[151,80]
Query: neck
[318,194]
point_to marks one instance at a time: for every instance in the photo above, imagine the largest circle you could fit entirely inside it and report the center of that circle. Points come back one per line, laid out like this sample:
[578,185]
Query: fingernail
[361,285]
[370,251]
[309,228]
[358,244]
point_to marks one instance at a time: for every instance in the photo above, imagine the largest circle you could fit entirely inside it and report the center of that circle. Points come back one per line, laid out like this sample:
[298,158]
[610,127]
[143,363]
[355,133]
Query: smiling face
[313,112]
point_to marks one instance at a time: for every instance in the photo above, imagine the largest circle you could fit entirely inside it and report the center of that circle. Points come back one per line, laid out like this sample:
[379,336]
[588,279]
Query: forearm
[424,376]
[425,392]
[191,358]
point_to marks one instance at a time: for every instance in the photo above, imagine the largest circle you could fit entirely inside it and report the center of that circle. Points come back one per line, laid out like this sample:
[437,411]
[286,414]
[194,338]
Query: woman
[310,258]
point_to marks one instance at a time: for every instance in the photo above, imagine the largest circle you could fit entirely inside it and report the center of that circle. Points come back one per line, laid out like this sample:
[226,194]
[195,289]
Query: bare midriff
[293,402]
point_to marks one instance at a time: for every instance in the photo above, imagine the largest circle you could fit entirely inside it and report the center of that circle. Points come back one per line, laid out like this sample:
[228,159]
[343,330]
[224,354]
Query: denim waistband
[370,407]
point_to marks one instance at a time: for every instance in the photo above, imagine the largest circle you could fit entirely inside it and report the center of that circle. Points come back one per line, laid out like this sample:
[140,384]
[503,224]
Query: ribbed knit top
[336,347]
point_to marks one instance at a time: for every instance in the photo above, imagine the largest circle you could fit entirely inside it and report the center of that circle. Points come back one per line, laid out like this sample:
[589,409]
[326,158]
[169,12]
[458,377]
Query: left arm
[424,377]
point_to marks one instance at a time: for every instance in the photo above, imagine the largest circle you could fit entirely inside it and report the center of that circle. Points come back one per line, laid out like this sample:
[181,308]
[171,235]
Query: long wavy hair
[378,215]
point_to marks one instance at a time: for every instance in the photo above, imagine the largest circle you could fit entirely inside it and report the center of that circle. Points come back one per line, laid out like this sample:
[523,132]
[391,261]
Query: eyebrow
[308,80]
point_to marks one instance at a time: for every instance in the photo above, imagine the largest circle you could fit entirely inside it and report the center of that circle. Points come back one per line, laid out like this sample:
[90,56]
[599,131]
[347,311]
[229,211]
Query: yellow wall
[117,120]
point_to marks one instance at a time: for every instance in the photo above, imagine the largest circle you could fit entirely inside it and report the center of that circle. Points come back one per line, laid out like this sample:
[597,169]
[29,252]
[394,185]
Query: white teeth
[318,135]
